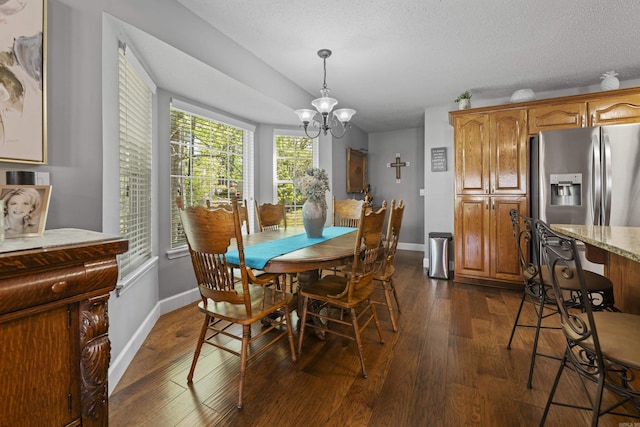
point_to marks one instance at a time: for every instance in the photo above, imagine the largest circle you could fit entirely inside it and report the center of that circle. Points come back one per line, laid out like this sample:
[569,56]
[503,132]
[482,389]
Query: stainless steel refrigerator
[587,176]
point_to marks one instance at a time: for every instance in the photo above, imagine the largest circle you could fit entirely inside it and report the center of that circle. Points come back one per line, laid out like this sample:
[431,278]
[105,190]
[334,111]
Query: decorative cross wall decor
[397,164]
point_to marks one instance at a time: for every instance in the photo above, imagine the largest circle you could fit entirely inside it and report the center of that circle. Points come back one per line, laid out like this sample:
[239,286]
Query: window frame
[248,177]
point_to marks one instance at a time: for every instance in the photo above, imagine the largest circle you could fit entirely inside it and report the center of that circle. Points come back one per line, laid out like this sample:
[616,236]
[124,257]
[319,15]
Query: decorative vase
[609,81]
[464,104]
[314,216]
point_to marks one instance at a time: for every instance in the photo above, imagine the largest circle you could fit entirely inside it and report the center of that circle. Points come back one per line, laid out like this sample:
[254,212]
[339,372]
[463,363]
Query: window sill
[180,252]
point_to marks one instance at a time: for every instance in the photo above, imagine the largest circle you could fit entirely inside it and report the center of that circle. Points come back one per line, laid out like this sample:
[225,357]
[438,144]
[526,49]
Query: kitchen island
[618,248]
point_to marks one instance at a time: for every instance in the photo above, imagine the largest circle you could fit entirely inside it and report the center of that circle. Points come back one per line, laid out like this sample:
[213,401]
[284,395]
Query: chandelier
[325,123]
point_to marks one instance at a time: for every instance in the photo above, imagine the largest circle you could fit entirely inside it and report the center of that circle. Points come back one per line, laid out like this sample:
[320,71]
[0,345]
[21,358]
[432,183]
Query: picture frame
[25,209]
[356,171]
[23,49]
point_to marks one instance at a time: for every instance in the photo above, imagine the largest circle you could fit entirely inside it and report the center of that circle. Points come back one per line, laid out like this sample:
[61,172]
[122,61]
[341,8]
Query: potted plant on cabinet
[464,100]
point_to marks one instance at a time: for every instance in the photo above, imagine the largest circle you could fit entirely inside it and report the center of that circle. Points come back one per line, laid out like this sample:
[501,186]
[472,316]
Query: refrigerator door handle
[596,179]
[606,174]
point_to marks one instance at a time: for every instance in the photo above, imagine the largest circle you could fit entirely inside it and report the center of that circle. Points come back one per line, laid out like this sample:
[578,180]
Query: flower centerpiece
[313,183]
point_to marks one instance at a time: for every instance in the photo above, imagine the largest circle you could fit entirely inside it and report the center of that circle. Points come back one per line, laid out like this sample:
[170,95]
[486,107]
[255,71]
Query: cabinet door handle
[486,190]
[493,190]
[493,205]
[486,205]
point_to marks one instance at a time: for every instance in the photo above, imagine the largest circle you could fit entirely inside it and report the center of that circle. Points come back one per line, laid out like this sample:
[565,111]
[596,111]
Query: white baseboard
[121,363]
[178,301]
[418,247]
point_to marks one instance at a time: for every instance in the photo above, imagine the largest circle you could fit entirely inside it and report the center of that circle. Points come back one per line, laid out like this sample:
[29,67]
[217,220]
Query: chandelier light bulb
[324,105]
[344,114]
[306,115]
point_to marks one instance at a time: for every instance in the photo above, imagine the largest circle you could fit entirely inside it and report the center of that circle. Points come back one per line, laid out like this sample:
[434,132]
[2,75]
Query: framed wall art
[25,209]
[356,171]
[22,81]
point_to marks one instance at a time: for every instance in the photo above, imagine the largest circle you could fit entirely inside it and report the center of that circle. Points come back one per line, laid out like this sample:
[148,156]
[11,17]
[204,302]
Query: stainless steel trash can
[439,255]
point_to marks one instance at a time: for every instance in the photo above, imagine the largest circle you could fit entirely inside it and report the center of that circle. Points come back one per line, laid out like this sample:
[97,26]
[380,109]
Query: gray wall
[383,147]
[357,140]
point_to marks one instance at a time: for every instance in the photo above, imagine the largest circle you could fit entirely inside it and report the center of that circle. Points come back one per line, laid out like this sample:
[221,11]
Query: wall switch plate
[422,192]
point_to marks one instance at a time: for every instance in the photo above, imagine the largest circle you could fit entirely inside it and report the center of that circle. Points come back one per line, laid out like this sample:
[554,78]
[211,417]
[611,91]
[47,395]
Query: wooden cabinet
[601,110]
[485,249]
[509,152]
[491,153]
[505,264]
[472,154]
[471,234]
[54,327]
[614,110]
[557,116]
[492,169]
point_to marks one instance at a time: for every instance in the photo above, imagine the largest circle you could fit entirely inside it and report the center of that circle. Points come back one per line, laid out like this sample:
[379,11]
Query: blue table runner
[257,256]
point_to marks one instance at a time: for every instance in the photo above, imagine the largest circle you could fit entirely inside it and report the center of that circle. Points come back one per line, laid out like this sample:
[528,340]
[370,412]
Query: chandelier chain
[324,61]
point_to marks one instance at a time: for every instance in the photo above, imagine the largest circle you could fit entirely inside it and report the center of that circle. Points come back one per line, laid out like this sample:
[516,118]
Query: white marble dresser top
[52,238]
[624,241]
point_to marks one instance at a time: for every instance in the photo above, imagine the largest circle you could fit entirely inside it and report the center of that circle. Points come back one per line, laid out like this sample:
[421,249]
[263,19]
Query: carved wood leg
[95,353]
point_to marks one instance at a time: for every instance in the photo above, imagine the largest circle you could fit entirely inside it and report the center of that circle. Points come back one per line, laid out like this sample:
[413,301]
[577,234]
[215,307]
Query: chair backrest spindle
[367,249]
[393,233]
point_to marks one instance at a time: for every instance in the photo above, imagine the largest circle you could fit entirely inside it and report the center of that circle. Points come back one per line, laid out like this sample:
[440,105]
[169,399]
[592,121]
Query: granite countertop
[624,241]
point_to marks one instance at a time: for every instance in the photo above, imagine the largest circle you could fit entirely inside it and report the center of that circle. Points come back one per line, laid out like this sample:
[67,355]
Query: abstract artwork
[22,113]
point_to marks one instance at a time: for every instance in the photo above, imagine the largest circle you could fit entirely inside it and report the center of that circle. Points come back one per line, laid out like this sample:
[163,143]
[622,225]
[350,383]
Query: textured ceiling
[393,59]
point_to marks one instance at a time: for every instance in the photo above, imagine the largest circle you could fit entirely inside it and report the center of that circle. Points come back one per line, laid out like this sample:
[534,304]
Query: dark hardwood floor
[447,366]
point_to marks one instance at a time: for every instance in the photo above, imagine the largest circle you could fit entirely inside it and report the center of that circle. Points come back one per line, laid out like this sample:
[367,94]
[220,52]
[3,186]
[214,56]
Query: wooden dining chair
[340,293]
[385,274]
[226,302]
[271,216]
[346,212]
[537,287]
[602,347]
[243,211]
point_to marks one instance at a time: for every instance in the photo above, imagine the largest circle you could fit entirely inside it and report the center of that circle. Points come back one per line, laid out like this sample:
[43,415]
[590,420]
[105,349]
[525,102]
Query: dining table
[618,249]
[295,253]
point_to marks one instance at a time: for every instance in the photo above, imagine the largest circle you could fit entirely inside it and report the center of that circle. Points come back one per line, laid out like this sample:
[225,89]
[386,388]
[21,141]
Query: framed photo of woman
[25,209]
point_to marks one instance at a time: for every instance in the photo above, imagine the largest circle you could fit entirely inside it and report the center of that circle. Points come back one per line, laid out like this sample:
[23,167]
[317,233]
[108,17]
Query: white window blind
[211,161]
[135,164]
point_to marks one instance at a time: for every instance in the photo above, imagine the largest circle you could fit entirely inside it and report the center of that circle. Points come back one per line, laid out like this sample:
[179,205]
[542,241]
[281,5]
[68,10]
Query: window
[294,153]
[211,161]
[135,97]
